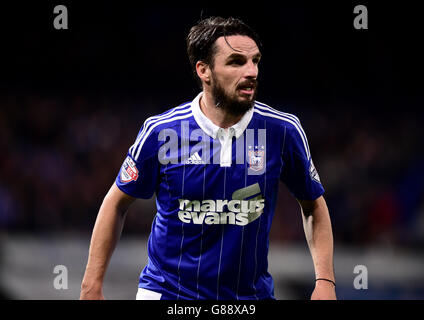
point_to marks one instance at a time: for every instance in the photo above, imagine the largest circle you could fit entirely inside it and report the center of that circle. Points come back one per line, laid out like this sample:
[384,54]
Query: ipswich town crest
[129,171]
[256,158]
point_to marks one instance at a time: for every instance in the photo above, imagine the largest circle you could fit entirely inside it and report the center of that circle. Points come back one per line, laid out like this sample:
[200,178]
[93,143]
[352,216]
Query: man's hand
[324,290]
[91,292]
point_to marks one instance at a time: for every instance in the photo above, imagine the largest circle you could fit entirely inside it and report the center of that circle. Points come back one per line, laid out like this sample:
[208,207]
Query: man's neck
[217,115]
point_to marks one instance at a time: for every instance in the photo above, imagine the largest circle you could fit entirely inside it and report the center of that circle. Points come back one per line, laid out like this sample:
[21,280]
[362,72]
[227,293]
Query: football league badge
[129,171]
[313,172]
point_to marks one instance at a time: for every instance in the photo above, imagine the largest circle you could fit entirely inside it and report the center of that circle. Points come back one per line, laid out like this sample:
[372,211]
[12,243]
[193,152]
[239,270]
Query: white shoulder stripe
[154,119]
[169,112]
[272,115]
[184,116]
[265,107]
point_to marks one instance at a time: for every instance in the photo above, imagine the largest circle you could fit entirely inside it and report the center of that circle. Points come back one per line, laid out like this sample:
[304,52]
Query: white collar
[212,129]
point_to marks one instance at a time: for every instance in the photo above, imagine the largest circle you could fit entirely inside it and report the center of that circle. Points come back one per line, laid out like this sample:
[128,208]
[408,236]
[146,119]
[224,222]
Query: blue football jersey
[216,191]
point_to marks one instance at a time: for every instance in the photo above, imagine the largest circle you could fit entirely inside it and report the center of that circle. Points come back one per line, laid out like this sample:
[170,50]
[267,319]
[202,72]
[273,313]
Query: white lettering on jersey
[237,211]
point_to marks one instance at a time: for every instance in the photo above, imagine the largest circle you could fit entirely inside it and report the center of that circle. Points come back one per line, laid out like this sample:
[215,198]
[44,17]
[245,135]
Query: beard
[230,103]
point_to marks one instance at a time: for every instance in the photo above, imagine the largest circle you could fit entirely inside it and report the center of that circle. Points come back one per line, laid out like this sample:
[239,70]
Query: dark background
[72,102]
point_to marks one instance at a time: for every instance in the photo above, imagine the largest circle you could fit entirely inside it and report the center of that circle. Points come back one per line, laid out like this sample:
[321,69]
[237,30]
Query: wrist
[91,286]
[326,280]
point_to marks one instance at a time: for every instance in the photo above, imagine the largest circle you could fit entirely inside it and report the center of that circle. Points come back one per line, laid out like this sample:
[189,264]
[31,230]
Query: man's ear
[203,71]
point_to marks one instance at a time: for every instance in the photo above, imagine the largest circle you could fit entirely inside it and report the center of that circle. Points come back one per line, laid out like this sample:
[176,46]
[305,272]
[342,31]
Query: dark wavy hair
[201,38]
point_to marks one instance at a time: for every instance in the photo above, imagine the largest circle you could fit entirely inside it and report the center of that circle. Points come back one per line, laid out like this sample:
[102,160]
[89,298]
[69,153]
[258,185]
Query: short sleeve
[138,174]
[299,173]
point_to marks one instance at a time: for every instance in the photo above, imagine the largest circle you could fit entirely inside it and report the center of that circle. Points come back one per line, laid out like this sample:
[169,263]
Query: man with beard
[215,164]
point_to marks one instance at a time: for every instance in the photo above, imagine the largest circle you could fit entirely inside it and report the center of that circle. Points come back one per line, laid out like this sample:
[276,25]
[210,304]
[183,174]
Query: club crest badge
[129,171]
[256,158]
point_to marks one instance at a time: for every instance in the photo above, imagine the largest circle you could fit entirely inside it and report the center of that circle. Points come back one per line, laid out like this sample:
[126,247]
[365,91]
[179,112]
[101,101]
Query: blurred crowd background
[72,102]
[62,163]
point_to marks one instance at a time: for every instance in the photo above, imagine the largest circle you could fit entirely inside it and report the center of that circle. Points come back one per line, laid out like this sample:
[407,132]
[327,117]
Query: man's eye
[237,62]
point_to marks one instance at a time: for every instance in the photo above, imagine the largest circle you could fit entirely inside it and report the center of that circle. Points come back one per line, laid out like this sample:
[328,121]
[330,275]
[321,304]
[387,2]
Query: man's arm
[318,232]
[106,233]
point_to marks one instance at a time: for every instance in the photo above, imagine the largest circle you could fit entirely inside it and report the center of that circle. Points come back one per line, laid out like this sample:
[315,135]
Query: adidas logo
[195,159]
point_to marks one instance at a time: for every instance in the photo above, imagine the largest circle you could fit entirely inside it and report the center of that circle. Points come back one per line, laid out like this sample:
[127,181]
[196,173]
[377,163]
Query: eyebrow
[238,55]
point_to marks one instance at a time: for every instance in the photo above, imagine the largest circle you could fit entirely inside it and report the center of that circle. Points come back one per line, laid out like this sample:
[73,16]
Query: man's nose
[251,70]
